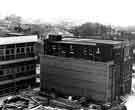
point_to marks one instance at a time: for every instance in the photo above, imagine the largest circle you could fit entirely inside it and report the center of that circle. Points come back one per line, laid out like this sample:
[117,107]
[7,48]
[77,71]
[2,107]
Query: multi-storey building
[17,63]
[97,69]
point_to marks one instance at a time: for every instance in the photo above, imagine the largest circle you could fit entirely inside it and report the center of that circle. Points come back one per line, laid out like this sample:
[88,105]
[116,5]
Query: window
[126,51]
[25,67]
[98,51]
[32,67]
[54,47]
[12,51]
[90,52]
[22,69]
[71,49]
[85,51]
[18,50]
[15,70]
[10,71]
[1,52]
[7,52]
[32,49]
[22,50]
[18,69]
[28,49]
[1,72]
[133,51]
[28,67]
[5,71]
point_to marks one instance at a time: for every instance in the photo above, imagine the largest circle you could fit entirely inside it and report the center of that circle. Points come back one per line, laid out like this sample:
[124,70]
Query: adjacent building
[17,63]
[96,69]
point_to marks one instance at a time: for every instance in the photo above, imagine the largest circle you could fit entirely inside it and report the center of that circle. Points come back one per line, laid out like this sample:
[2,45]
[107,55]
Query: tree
[90,29]
[13,19]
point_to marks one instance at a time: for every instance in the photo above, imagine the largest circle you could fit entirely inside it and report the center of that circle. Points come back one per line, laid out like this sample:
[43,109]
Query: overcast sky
[114,12]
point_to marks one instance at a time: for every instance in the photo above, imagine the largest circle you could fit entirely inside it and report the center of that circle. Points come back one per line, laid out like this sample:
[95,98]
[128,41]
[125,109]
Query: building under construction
[17,63]
[96,69]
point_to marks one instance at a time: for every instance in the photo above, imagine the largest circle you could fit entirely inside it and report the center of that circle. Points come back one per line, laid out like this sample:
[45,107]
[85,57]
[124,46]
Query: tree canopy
[90,29]
[13,19]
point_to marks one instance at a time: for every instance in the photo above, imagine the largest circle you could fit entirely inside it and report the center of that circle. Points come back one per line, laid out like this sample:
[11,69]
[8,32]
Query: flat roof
[87,41]
[18,39]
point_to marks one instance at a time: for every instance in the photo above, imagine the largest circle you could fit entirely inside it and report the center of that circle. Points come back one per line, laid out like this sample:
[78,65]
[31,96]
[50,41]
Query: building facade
[96,69]
[17,63]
